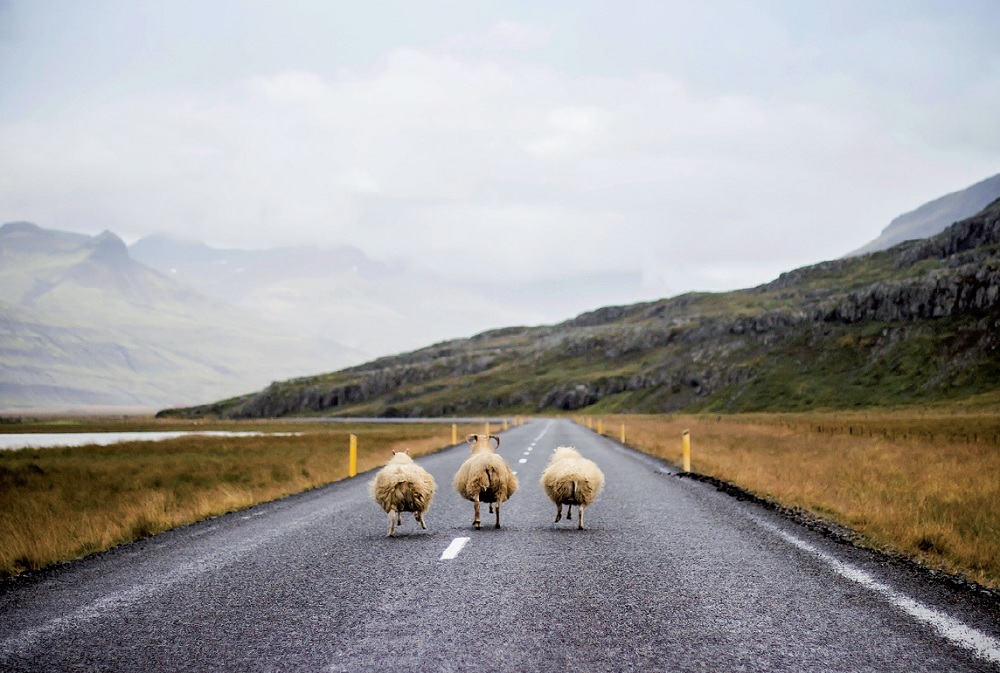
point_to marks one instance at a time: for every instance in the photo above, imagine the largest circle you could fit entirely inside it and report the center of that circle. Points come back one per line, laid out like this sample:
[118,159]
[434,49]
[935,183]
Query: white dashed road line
[453,549]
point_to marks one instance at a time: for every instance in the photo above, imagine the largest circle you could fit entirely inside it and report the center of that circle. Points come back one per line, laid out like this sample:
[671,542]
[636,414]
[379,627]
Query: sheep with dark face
[570,479]
[403,486]
[485,476]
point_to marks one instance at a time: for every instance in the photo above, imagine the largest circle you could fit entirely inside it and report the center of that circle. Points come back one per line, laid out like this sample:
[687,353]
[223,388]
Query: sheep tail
[402,492]
[572,493]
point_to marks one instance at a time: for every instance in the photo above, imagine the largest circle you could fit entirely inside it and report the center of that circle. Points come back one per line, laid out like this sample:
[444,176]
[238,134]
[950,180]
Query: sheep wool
[570,479]
[403,486]
[485,476]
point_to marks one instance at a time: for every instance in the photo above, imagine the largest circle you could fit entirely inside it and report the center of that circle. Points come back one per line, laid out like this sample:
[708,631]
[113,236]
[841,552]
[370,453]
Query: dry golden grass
[925,485]
[58,504]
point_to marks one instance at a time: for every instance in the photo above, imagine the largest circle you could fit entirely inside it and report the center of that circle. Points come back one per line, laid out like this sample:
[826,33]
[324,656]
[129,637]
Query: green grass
[854,367]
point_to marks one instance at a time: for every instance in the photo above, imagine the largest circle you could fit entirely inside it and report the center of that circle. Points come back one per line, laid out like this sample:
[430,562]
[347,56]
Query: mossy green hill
[918,323]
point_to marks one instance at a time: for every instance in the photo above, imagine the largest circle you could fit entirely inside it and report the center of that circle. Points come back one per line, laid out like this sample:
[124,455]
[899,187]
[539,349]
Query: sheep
[570,479]
[403,486]
[485,476]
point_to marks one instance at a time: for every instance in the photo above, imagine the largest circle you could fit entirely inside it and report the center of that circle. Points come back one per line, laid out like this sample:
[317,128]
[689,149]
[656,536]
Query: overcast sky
[704,145]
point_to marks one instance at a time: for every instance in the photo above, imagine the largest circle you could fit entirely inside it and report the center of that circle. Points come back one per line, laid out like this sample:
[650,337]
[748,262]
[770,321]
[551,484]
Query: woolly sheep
[570,479]
[485,476]
[403,486]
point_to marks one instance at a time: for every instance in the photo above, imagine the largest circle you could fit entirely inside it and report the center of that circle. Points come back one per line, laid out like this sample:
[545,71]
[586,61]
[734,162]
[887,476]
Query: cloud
[461,158]
[504,35]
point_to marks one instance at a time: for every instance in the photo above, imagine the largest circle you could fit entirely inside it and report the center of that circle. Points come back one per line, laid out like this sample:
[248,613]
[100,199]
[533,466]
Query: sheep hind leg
[558,512]
[569,512]
[498,514]
[392,523]
[475,521]
[420,519]
[579,518]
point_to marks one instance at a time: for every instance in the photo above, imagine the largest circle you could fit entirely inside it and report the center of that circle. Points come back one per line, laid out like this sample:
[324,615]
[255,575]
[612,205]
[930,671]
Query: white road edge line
[981,644]
[453,549]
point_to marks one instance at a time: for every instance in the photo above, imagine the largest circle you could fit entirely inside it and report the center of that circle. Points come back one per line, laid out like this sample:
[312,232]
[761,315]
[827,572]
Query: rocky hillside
[917,323]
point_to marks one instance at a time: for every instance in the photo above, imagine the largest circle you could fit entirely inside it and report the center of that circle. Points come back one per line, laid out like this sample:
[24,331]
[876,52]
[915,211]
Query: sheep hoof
[498,525]
[475,524]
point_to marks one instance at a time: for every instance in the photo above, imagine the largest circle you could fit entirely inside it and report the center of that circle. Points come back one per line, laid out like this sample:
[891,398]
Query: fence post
[505,424]
[487,433]
[454,433]
[600,427]
[623,433]
[352,466]
[686,449]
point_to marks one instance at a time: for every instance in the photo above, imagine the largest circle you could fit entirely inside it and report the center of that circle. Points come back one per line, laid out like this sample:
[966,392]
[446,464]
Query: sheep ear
[407,452]
[496,438]
[471,439]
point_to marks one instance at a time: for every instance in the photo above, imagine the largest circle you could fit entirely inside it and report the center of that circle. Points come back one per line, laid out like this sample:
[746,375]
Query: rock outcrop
[698,349]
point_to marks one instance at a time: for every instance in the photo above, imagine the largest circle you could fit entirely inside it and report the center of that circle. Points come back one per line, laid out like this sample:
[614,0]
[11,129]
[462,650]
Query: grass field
[922,484]
[62,503]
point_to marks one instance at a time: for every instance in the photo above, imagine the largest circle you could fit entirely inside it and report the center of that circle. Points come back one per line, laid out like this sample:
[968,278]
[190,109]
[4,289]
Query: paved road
[671,575]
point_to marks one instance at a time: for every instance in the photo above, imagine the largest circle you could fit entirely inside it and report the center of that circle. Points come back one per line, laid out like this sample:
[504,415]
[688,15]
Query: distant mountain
[236,275]
[934,217]
[918,323]
[374,307]
[83,324]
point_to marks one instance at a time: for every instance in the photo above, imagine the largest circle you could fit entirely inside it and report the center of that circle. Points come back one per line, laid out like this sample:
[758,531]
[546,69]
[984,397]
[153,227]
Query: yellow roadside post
[352,466]
[686,448]
[487,428]
[454,433]
[600,427]
[623,433]
[505,424]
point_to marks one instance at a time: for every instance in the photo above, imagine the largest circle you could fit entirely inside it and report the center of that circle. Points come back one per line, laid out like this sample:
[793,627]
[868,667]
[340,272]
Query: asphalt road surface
[669,575]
